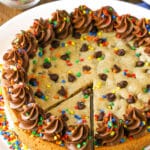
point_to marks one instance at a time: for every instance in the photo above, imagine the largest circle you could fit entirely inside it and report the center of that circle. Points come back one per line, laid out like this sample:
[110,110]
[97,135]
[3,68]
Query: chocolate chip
[148,86]
[120,52]
[64,117]
[136,44]
[148,121]
[47,65]
[62,91]
[41,111]
[39,94]
[86,68]
[33,82]
[101,116]
[147,71]
[97,54]
[103,76]
[71,77]
[139,63]
[65,57]
[54,77]
[149,102]
[101,40]
[76,35]
[131,99]
[55,44]
[47,115]
[94,30]
[87,91]
[122,84]
[116,69]
[111,97]
[84,48]
[80,105]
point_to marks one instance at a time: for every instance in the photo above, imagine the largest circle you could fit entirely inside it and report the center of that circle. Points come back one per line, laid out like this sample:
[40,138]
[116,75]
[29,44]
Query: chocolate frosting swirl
[135,122]
[79,136]
[13,75]
[105,18]
[110,131]
[147,50]
[29,116]
[16,57]
[142,33]
[54,130]
[43,31]
[82,19]
[27,41]
[20,95]
[61,24]
[125,26]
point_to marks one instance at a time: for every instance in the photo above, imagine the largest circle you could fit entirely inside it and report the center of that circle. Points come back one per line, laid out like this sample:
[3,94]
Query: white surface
[147,1]
[24,20]
[3,144]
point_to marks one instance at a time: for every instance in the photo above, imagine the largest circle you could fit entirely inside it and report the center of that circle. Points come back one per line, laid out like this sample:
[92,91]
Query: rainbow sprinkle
[9,136]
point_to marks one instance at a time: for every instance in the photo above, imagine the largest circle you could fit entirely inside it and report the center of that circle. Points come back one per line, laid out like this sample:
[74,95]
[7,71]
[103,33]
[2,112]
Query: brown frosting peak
[54,130]
[13,75]
[135,122]
[142,29]
[18,58]
[61,24]
[27,41]
[43,31]
[105,18]
[147,50]
[125,27]
[79,138]
[20,95]
[82,19]
[29,116]
[110,131]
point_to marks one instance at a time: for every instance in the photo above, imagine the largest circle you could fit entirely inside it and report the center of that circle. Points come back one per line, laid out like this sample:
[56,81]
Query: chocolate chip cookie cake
[80,81]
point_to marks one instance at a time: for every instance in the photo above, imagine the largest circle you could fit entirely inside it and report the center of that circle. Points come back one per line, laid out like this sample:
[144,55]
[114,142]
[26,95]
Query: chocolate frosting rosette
[61,24]
[110,131]
[105,18]
[20,95]
[78,138]
[135,122]
[16,57]
[124,26]
[29,116]
[43,31]
[27,41]
[13,75]
[142,33]
[54,129]
[82,19]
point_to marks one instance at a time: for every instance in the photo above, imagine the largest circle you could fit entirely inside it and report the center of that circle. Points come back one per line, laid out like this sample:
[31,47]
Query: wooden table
[7,13]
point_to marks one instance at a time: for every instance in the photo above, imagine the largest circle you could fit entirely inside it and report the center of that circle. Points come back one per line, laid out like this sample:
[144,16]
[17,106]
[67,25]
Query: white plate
[147,1]
[24,20]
